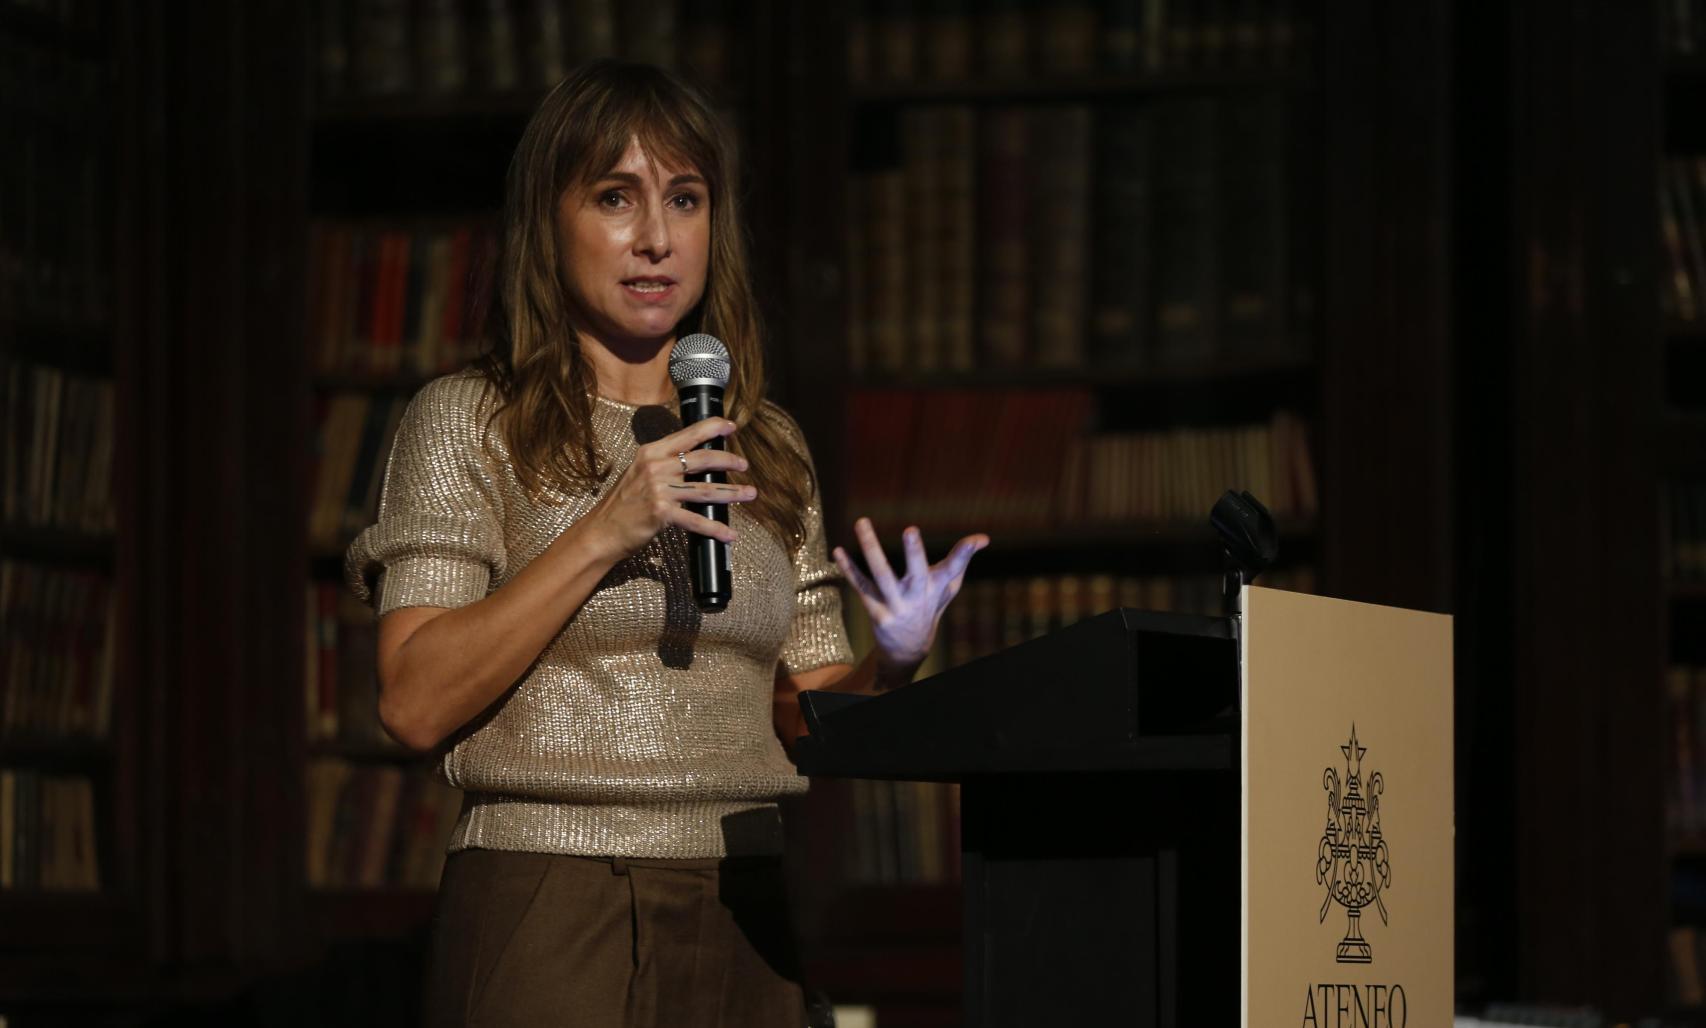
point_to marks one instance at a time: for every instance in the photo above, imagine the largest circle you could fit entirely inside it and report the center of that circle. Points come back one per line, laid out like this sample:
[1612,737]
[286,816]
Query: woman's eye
[611,198]
[692,201]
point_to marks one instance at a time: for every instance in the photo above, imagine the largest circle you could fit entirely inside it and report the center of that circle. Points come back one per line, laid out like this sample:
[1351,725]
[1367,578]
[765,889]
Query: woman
[617,861]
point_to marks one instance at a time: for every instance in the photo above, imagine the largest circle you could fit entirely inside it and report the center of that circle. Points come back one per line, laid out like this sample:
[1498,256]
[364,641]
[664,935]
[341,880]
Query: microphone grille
[699,359]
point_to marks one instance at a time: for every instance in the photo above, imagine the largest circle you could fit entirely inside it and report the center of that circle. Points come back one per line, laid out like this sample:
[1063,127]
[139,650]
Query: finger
[912,541]
[876,559]
[701,525]
[700,461]
[693,435]
[710,492]
[953,566]
[862,585]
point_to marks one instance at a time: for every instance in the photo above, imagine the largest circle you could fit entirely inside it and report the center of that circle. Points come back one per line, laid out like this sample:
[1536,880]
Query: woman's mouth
[651,289]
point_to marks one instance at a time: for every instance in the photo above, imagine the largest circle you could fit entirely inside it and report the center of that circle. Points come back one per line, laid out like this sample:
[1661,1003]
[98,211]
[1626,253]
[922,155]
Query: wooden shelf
[1101,86]
[370,752]
[1289,367]
[369,913]
[420,108]
[57,546]
[85,349]
[55,754]
[355,383]
[1075,538]
[39,920]
[512,108]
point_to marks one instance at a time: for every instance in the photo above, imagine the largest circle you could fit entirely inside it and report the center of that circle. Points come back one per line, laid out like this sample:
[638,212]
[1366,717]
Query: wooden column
[1587,618]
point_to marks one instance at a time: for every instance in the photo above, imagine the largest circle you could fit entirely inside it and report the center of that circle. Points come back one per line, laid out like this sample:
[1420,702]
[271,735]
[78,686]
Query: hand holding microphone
[649,495]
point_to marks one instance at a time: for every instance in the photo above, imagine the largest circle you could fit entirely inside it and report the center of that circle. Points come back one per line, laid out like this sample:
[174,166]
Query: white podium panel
[1347,826]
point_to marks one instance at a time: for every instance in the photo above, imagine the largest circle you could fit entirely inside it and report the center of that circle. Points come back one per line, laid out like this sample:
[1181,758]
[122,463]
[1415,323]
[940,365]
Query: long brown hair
[545,383]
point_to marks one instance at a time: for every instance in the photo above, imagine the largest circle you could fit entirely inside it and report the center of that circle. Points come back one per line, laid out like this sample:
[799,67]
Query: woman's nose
[652,239]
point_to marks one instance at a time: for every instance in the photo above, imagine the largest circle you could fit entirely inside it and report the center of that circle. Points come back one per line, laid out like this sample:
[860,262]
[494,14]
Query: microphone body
[708,557]
[699,367]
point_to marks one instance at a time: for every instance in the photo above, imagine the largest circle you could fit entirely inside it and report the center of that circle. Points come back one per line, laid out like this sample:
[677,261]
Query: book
[1121,316]
[1184,231]
[1059,248]
[1254,244]
[1003,230]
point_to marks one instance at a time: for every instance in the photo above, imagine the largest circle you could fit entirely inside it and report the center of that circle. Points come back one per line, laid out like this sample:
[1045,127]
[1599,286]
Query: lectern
[1178,820]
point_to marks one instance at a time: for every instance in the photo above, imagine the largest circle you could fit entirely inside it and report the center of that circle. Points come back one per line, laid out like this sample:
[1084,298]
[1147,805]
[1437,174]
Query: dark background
[1489,370]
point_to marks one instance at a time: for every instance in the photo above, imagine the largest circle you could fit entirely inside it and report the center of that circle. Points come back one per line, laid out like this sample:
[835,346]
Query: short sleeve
[438,540]
[817,636]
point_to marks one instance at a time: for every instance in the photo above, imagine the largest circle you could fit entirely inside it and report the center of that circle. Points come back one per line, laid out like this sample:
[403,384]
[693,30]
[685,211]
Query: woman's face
[635,247]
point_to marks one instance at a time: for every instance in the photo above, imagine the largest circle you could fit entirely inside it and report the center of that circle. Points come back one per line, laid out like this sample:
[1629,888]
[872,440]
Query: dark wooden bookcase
[1371,374]
[232,154]
[1681,464]
[63,313]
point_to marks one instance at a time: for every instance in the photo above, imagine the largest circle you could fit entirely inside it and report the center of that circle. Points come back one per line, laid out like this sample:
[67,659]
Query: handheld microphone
[699,367]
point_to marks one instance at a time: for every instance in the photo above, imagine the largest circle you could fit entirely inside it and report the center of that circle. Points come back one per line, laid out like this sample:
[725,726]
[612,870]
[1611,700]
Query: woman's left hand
[905,612]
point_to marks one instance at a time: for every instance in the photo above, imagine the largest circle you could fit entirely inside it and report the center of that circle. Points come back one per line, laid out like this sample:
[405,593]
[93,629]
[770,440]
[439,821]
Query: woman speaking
[618,856]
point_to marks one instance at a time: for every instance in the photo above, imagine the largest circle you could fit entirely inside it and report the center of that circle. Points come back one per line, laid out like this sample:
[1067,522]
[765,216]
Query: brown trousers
[543,939]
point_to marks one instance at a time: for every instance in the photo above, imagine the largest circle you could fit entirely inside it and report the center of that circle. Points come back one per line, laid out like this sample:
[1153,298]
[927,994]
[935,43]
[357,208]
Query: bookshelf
[69,797]
[1680,178]
[999,347]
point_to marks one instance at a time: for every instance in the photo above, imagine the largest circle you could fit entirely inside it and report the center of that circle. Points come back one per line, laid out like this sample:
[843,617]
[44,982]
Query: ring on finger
[682,457]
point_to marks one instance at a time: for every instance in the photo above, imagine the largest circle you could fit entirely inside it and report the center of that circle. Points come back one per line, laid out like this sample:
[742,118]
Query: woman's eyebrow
[630,177]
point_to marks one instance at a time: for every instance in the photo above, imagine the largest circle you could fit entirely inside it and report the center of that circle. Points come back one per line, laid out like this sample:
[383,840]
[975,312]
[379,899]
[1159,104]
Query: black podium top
[1124,690]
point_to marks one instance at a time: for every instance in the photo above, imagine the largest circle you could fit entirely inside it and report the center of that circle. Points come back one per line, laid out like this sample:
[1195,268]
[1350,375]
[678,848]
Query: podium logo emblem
[1352,860]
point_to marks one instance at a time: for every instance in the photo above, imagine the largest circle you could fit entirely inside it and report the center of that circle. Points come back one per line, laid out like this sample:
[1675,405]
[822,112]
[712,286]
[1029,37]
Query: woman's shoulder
[775,416]
[460,399]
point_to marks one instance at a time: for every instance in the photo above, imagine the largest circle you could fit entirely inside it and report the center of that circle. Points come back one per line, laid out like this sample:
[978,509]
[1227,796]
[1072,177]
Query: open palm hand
[904,612]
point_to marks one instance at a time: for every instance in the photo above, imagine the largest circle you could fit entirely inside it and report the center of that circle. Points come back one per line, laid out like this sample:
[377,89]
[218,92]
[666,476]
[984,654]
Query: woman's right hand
[648,496]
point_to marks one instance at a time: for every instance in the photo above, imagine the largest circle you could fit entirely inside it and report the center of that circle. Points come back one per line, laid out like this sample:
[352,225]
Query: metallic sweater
[645,728]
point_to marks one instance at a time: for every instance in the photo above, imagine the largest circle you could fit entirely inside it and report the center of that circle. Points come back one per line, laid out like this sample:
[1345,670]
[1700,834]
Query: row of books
[972,245]
[958,457]
[384,299]
[1682,225]
[903,833]
[953,459]
[47,831]
[376,825]
[956,40]
[59,450]
[1685,692]
[1687,531]
[56,674]
[450,47]
[1687,965]
[1176,475]
[353,437]
[992,614]
[341,686]
[1683,28]
[56,261]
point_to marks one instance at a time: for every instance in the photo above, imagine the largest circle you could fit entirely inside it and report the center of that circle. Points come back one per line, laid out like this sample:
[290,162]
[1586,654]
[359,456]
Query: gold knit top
[645,728]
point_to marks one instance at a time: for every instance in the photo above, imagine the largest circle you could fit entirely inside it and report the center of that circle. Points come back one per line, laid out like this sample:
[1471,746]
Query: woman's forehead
[650,162]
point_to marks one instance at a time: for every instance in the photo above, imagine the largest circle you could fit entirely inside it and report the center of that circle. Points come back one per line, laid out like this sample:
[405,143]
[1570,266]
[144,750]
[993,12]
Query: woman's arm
[439,667]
